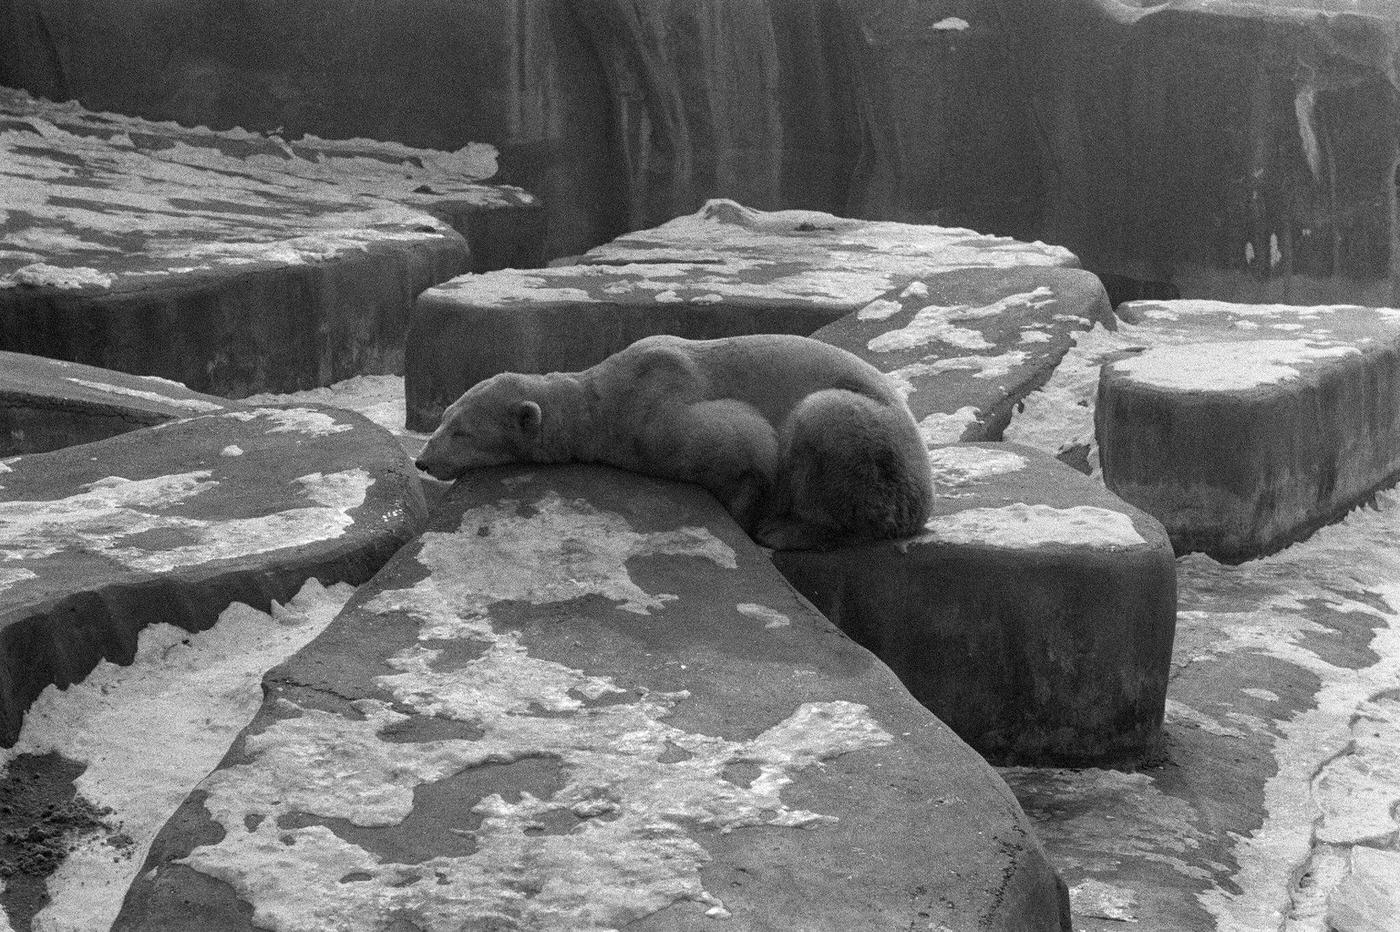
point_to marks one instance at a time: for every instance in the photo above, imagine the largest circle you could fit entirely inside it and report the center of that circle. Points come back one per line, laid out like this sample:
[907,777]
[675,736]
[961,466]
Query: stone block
[1035,615]
[48,404]
[175,522]
[582,699]
[724,271]
[1243,428]
[216,260]
[967,346]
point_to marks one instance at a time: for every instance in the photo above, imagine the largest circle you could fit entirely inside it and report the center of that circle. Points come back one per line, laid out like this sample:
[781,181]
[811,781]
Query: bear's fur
[806,445]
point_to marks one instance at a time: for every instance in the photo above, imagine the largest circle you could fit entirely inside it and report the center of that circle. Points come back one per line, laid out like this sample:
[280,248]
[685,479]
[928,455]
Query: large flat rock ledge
[1243,428]
[724,271]
[965,347]
[229,262]
[48,404]
[1035,614]
[584,700]
[173,523]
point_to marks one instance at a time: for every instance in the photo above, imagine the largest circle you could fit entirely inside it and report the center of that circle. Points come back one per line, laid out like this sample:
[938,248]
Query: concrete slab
[1246,427]
[583,700]
[1034,615]
[966,347]
[204,257]
[173,523]
[725,271]
[48,404]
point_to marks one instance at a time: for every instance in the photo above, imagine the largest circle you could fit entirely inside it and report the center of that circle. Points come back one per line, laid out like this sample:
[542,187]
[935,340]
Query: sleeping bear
[808,446]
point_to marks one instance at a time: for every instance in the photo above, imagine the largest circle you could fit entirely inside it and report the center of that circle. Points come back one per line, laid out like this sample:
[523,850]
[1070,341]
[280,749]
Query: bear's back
[772,372]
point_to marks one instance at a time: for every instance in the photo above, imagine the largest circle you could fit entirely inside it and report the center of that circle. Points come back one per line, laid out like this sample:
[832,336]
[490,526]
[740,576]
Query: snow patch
[940,428]
[879,309]
[959,465]
[1099,900]
[111,511]
[192,404]
[981,367]
[43,275]
[1235,366]
[185,695]
[1020,526]
[771,617]
[937,322]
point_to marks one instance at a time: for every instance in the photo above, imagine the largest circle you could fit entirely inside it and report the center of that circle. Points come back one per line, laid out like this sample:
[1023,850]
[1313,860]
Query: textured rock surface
[1241,150]
[47,404]
[1034,615]
[1281,755]
[1237,150]
[726,270]
[619,114]
[967,346]
[1247,426]
[645,729]
[175,522]
[222,262]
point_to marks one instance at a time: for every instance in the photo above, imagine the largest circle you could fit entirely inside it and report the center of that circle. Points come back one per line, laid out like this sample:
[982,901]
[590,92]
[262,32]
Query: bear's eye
[459,434]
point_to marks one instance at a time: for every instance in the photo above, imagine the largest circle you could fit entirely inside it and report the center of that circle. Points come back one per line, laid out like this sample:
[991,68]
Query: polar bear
[808,446]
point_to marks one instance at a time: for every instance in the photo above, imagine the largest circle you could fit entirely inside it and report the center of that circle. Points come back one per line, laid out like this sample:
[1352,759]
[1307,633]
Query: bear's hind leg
[730,449]
[851,469]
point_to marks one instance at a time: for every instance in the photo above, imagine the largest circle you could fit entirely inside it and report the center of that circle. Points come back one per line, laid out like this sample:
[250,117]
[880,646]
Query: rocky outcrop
[175,522]
[967,346]
[1245,427]
[1034,614]
[724,271]
[48,404]
[231,262]
[1217,148]
[583,699]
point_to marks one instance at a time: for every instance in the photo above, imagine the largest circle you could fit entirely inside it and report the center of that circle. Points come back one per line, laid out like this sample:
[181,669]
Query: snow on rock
[1368,898]
[110,512]
[1225,367]
[188,693]
[634,854]
[1026,526]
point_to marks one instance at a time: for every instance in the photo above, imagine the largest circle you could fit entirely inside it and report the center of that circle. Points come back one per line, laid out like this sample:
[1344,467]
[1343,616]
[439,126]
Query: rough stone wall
[1241,152]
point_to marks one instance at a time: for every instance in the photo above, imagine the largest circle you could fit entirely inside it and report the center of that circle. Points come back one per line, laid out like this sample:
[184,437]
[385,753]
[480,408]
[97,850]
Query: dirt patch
[42,818]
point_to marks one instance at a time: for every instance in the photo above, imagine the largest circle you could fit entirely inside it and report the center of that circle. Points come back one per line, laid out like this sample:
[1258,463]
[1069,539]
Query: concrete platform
[1034,615]
[229,262]
[966,347]
[1245,427]
[725,271]
[48,404]
[646,730]
[173,523]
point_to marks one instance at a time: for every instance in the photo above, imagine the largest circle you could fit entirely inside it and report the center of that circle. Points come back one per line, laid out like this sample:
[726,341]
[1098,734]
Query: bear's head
[497,421]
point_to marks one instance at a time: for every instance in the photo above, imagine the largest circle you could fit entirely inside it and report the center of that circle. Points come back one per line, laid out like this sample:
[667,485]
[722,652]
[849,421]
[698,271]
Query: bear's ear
[527,418]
